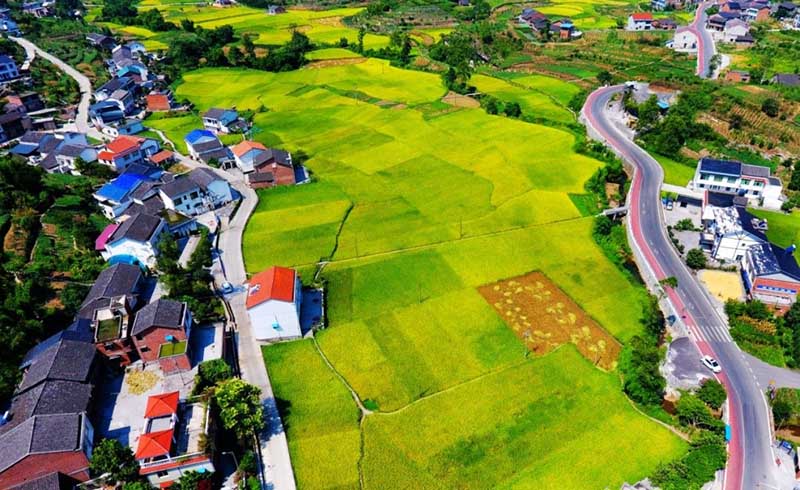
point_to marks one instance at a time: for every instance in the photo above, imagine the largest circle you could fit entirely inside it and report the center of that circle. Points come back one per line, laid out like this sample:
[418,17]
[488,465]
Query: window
[756,193]
[731,179]
[139,337]
[178,201]
[145,348]
[704,177]
[745,181]
[193,195]
[718,178]
[758,183]
[162,474]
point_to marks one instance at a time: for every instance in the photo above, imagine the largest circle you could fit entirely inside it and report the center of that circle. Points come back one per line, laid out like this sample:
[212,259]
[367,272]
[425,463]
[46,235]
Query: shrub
[209,373]
[696,258]
[712,392]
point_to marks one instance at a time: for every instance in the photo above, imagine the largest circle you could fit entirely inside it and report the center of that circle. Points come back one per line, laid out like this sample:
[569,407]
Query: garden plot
[544,318]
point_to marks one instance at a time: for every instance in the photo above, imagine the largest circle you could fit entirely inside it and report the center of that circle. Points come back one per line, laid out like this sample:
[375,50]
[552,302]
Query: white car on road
[711,364]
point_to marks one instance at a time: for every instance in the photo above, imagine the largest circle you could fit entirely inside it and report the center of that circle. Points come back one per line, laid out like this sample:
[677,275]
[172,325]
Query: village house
[101,41]
[734,30]
[221,120]
[8,26]
[126,150]
[105,113]
[665,24]
[8,68]
[273,304]
[731,177]
[170,444]
[786,79]
[133,241]
[163,158]
[565,30]
[756,12]
[159,102]
[206,147]
[39,9]
[276,9]
[198,191]
[111,86]
[684,41]
[534,19]
[640,21]
[47,428]
[115,196]
[729,231]
[31,101]
[771,275]
[161,332]
[738,76]
[109,306]
[127,127]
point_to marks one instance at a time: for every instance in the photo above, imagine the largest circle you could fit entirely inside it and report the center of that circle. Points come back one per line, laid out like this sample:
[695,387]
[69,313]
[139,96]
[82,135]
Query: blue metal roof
[25,149]
[198,134]
[725,167]
[662,105]
[117,189]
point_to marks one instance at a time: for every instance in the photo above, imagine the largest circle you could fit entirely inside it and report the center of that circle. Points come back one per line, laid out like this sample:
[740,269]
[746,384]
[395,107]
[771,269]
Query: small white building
[735,29]
[730,232]
[135,240]
[640,21]
[273,304]
[685,41]
[197,192]
[730,177]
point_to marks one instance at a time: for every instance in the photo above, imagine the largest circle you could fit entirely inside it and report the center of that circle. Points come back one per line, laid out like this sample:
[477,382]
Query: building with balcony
[730,177]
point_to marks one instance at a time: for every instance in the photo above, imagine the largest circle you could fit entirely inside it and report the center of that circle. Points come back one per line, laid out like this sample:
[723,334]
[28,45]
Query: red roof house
[158,102]
[154,444]
[162,405]
[273,304]
[640,21]
[124,151]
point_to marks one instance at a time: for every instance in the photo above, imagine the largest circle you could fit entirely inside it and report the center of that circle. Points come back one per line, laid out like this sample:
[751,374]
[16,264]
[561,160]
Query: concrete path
[82,116]
[229,266]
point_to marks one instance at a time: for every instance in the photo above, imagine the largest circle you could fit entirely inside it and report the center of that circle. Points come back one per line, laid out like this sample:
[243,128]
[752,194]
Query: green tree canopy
[240,407]
[111,457]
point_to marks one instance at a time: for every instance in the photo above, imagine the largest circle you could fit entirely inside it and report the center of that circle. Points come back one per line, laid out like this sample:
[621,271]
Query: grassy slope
[784,228]
[440,205]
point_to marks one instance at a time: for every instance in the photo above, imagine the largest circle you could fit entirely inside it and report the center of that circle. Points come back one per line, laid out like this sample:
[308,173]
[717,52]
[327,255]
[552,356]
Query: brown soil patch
[49,229]
[426,38]
[16,241]
[333,21]
[335,62]
[544,317]
[459,100]
[790,433]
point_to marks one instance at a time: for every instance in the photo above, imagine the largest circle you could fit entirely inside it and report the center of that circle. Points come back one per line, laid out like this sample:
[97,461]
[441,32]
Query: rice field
[415,205]
[321,26]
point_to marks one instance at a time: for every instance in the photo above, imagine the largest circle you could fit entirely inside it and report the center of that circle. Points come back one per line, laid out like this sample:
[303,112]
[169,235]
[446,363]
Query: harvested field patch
[459,100]
[140,382]
[544,317]
[723,285]
[336,62]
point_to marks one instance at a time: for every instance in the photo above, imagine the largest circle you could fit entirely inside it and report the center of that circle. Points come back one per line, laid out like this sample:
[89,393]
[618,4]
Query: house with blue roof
[8,68]
[204,146]
[753,182]
[771,275]
[115,196]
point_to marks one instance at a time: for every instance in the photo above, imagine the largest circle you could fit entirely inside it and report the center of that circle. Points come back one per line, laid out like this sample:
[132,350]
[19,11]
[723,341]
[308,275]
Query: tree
[512,109]
[137,485]
[712,392]
[604,77]
[187,25]
[653,318]
[168,254]
[209,373]
[643,381]
[405,51]
[648,114]
[696,258]
[194,480]
[235,56]
[240,407]
[492,106]
[362,31]
[691,410]
[669,282]
[111,457]
[770,107]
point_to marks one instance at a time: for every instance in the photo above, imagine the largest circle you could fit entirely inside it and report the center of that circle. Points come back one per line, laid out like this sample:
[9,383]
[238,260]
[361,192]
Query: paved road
[767,374]
[82,117]
[276,460]
[705,44]
[751,461]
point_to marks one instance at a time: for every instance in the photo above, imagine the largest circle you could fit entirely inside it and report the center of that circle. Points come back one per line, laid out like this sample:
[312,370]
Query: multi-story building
[771,274]
[731,177]
[8,68]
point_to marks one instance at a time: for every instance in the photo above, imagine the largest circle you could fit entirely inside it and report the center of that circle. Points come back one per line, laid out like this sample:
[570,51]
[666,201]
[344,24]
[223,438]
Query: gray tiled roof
[214,113]
[179,186]
[69,360]
[203,177]
[220,154]
[51,481]
[118,280]
[161,313]
[40,434]
[140,228]
[48,398]
[80,330]
[755,170]
[71,150]
[281,157]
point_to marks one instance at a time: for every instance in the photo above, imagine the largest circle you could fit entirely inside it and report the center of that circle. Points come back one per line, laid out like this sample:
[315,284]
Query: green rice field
[415,204]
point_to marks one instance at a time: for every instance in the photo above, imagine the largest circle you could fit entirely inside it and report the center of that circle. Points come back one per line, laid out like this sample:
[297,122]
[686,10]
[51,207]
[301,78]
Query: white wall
[264,315]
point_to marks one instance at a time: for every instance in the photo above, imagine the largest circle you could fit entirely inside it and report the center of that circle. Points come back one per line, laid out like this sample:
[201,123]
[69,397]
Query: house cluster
[732,235]
[144,202]
[48,432]
[731,24]
[262,166]
[563,29]
[644,21]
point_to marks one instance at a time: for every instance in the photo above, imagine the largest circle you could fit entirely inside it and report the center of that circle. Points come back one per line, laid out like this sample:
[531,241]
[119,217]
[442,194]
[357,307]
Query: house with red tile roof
[273,304]
[126,150]
[159,102]
[163,157]
[640,21]
[170,443]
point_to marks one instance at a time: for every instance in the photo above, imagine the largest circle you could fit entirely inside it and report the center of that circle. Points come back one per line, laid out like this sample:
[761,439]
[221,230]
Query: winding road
[705,43]
[82,116]
[751,462]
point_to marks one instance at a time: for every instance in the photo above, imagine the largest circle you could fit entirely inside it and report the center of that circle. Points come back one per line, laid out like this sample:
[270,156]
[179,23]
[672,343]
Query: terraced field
[321,26]
[415,204]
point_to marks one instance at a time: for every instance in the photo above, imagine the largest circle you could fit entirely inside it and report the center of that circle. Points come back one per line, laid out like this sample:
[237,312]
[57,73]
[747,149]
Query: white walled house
[735,29]
[731,231]
[685,41]
[731,177]
[273,304]
[640,21]
[135,240]
[197,192]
